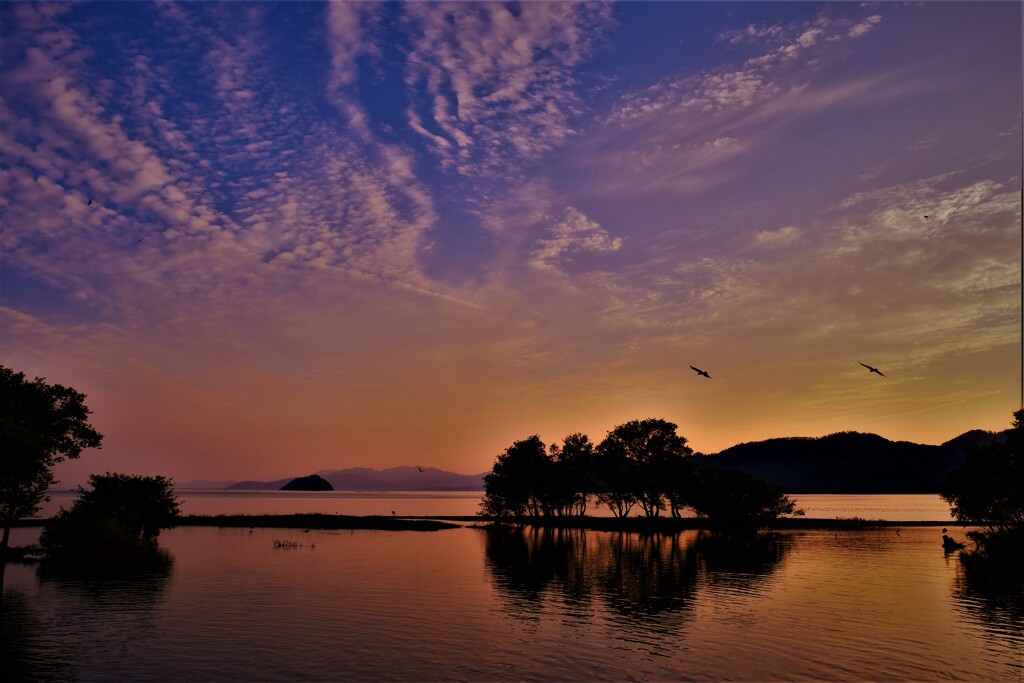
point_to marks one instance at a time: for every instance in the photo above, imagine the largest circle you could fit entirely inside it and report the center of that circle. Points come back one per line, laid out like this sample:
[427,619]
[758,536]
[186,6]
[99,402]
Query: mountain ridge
[403,478]
[843,462]
[850,462]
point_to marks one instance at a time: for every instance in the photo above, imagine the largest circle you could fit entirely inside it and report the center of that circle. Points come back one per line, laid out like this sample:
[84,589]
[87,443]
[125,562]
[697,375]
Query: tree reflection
[100,614]
[525,562]
[633,575]
[994,593]
[21,658]
[646,574]
[742,562]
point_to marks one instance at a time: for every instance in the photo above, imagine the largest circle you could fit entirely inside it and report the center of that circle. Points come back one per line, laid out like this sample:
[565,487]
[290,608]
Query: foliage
[645,451]
[573,474]
[642,462]
[733,499]
[988,487]
[40,425]
[679,483]
[115,522]
[614,481]
[519,482]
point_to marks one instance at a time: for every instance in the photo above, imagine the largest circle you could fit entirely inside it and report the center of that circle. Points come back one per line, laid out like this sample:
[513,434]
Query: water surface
[520,604]
[914,507]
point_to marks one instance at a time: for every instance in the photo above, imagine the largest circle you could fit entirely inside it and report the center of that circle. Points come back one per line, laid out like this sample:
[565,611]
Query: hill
[850,462]
[392,479]
[845,462]
[313,482]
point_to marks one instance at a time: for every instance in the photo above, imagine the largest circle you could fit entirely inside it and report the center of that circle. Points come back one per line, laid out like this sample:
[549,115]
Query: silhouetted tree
[654,450]
[615,481]
[736,500]
[116,521]
[520,481]
[40,425]
[679,480]
[988,487]
[574,473]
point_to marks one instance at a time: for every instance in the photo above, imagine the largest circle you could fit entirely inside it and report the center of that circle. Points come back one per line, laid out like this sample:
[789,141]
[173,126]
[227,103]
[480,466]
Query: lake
[904,508]
[520,604]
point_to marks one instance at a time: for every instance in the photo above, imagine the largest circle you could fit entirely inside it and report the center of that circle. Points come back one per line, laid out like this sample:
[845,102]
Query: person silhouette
[950,544]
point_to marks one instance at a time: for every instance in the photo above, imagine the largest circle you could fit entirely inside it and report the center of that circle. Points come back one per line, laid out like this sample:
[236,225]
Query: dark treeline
[642,464]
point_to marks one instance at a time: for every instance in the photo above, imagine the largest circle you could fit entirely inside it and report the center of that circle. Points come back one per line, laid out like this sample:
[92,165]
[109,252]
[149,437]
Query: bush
[736,500]
[115,524]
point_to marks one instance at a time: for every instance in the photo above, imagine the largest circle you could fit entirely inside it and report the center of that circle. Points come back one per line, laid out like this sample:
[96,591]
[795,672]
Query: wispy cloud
[498,78]
[777,238]
[573,234]
[211,192]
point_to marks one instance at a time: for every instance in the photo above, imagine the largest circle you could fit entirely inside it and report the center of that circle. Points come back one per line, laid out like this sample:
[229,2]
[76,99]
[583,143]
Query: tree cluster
[115,522]
[641,464]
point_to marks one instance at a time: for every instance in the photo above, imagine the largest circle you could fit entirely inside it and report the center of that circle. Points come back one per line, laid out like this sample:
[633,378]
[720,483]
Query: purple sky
[325,236]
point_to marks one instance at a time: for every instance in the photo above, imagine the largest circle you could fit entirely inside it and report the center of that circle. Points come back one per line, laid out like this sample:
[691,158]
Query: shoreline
[439,522]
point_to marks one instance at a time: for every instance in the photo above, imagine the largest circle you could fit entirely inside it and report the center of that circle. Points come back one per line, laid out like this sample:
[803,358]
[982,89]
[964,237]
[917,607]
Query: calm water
[500,604]
[454,504]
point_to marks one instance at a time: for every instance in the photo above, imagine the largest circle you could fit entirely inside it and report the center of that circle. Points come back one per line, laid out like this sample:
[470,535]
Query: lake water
[505,604]
[902,508]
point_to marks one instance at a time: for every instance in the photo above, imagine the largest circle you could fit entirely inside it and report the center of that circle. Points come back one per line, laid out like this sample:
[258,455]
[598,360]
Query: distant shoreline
[439,522]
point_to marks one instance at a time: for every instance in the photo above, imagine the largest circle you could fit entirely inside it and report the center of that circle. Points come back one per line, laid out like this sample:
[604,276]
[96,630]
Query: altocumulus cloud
[573,234]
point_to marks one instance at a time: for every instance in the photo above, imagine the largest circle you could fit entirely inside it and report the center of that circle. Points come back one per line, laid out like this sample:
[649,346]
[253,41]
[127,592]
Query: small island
[313,482]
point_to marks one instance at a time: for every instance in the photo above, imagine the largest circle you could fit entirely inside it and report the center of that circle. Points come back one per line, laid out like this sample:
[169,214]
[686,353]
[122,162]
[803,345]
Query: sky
[269,239]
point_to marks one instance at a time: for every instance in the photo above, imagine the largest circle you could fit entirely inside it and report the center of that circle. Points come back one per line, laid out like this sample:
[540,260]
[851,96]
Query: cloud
[498,79]
[728,89]
[858,30]
[213,184]
[777,238]
[877,271]
[575,233]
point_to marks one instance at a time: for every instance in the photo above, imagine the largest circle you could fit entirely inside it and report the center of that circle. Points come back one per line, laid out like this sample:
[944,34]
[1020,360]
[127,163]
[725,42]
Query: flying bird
[700,372]
[874,370]
[419,468]
[89,203]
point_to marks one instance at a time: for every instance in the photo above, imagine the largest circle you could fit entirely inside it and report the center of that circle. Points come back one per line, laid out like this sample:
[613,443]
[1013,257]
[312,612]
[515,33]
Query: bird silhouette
[700,372]
[874,370]
[419,468]
[89,203]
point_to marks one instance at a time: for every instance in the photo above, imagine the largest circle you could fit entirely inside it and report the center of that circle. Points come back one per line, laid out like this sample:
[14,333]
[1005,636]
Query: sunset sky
[335,235]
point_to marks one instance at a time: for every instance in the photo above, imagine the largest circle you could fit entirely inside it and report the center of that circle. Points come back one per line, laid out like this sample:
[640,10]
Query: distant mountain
[402,479]
[392,479]
[250,485]
[204,484]
[846,462]
[850,462]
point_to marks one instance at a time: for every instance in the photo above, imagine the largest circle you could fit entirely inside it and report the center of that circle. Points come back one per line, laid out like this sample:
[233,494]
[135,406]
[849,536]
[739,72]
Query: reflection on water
[520,604]
[911,507]
[995,595]
[634,575]
[44,642]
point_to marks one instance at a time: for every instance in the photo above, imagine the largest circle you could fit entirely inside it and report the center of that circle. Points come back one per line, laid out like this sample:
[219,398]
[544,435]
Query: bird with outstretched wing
[874,370]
